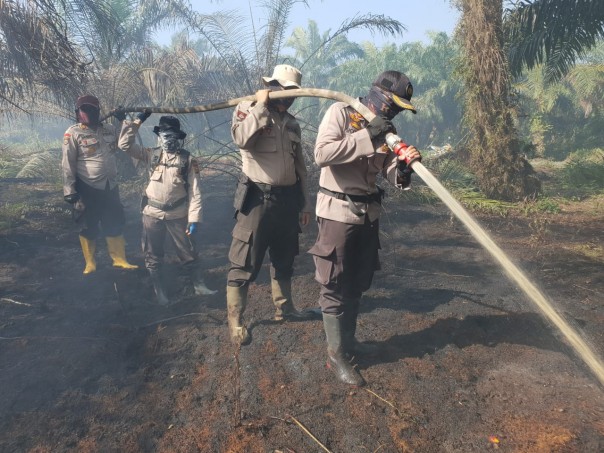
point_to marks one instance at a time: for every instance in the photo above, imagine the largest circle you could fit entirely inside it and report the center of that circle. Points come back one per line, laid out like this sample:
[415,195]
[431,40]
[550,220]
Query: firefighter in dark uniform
[351,153]
[172,201]
[271,199]
[90,182]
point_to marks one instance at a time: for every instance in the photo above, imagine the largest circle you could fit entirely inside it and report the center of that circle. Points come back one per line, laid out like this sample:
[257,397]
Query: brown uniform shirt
[349,163]
[90,156]
[271,146]
[166,184]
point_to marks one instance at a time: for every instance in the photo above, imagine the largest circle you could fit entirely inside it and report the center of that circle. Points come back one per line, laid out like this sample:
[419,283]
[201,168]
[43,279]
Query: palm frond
[554,33]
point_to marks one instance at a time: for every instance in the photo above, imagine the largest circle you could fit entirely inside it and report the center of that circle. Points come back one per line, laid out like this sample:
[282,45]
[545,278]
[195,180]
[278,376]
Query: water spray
[396,144]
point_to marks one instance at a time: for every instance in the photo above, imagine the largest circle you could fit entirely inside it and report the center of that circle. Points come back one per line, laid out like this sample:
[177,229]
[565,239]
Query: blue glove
[191,227]
[72,198]
[142,116]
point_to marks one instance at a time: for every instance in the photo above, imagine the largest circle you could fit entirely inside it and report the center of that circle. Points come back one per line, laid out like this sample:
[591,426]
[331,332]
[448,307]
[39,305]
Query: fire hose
[397,145]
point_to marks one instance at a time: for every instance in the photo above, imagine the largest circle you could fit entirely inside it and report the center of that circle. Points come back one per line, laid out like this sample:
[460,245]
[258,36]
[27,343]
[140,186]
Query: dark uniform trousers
[154,239]
[346,257]
[268,220]
[101,207]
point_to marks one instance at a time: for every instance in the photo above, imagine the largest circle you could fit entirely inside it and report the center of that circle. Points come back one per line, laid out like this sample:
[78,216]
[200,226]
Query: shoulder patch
[241,114]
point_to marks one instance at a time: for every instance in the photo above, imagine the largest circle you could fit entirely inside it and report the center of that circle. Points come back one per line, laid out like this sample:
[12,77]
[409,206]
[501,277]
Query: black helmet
[169,124]
[399,86]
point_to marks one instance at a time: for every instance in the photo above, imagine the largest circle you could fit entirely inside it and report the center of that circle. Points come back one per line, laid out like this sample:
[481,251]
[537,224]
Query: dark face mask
[286,103]
[381,103]
[88,115]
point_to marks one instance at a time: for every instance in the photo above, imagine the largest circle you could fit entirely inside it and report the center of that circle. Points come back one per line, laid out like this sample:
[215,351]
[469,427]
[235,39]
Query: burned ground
[467,364]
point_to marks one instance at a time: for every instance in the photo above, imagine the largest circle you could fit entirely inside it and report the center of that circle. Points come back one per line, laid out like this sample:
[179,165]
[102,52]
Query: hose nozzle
[398,147]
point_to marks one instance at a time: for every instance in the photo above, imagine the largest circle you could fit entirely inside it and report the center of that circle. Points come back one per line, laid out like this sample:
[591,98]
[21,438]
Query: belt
[377,197]
[166,206]
[270,189]
[352,199]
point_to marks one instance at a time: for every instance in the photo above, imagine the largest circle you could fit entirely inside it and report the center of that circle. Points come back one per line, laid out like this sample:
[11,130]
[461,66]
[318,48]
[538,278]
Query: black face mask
[382,103]
[283,102]
[88,115]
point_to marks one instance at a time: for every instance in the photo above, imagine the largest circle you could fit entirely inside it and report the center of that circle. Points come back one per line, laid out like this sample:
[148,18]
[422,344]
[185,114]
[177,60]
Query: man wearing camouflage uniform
[271,199]
[351,153]
[172,202]
[90,182]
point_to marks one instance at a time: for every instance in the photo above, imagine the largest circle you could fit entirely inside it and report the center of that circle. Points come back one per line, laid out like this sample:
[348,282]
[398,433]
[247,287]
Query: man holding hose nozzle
[351,152]
[271,200]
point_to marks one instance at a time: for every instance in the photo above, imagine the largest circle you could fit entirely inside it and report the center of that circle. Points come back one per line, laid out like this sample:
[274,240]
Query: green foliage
[11,214]
[585,170]
[553,33]
[547,205]
[32,159]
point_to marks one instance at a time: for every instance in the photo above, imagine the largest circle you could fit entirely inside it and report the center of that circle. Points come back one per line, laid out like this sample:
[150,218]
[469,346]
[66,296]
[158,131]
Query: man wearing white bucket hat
[271,199]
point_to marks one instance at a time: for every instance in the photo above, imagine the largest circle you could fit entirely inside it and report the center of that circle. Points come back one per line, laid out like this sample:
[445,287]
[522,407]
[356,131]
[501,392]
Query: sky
[418,16]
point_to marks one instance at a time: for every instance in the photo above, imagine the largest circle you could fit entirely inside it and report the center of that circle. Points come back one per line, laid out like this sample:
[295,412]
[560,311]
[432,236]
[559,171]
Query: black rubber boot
[158,287]
[337,359]
[351,344]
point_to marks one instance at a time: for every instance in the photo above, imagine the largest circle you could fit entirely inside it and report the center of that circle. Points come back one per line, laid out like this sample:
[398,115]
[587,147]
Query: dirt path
[467,365]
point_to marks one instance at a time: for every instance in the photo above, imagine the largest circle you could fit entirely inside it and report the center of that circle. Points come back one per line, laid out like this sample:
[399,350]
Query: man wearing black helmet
[90,182]
[351,153]
[172,201]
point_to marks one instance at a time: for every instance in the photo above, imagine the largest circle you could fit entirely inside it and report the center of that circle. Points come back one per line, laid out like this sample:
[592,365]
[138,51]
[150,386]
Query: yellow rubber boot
[117,251]
[88,249]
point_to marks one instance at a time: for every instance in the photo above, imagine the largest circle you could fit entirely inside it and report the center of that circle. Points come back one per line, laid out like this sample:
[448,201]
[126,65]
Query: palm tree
[553,33]
[495,149]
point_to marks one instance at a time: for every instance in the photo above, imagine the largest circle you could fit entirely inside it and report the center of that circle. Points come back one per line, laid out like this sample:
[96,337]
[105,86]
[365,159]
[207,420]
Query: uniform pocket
[240,246]
[156,175]
[88,145]
[266,142]
[324,256]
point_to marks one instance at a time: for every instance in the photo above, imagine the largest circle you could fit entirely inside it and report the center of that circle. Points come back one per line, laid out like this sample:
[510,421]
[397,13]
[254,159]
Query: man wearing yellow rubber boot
[90,182]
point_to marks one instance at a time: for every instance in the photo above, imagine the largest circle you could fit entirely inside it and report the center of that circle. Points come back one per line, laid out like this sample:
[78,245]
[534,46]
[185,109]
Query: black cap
[399,85]
[169,124]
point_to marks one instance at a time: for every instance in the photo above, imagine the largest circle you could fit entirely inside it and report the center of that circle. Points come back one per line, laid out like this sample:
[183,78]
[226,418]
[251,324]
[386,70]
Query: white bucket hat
[286,75]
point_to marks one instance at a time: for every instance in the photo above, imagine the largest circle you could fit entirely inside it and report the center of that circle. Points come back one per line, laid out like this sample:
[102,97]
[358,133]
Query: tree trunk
[501,171]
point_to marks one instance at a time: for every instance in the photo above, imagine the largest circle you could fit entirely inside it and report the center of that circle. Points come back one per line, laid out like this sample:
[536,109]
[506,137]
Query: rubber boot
[199,285]
[158,287]
[351,344]
[117,250]
[336,354]
[284,307]
[88,249]
[236,302]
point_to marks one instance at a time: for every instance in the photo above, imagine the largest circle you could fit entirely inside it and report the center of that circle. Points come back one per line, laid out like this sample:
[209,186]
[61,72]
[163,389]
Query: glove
[378,127]
[191,227]
[72,198]
[142,116]
[119,114]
